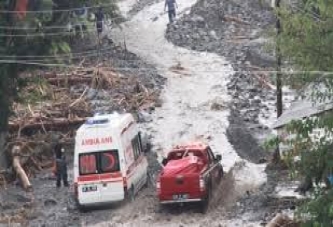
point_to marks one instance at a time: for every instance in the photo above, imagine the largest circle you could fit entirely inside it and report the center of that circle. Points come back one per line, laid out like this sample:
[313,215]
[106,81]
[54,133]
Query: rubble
[235,30]
[282,220]
[61,101]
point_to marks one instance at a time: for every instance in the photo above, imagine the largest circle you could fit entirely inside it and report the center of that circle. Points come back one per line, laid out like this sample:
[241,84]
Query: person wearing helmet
[61,166]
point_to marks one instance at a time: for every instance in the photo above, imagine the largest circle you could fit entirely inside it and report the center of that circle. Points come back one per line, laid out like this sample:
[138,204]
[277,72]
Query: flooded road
[195,106]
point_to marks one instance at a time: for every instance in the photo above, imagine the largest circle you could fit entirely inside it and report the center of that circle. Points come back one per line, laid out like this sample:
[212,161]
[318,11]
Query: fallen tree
[19,170]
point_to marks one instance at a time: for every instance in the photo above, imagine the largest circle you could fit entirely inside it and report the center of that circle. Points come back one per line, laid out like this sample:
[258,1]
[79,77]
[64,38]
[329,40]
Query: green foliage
[307,36]
[306,42]
[319,210]
[271,143]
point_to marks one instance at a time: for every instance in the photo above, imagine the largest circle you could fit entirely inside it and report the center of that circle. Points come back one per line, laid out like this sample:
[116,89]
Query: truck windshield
[99,162]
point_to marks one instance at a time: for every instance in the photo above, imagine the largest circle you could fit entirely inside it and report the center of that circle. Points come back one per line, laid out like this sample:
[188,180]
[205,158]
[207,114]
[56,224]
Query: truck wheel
[205,203]
[221,173]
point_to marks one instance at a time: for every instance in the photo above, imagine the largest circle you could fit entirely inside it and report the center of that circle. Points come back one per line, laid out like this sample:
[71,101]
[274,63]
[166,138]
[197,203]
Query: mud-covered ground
[197,103]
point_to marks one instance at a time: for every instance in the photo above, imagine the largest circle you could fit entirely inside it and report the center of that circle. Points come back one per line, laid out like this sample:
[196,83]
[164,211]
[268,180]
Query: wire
[47,34]
[51,27]
[59,10]
[54,56]
[152,68]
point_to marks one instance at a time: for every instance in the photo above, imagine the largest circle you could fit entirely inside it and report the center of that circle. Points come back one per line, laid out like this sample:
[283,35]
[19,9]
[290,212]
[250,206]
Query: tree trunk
[4,115]
[279,104]
[19,170]
[278,65]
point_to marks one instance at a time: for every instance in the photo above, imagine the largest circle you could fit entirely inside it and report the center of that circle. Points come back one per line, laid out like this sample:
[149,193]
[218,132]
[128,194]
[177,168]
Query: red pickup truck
[190,174]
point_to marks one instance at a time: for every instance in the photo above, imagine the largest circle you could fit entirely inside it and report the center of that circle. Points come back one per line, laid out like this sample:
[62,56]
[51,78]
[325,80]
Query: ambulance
[109,161]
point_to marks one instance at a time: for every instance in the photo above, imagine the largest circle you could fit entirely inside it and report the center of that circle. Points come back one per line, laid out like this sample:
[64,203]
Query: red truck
[190,173]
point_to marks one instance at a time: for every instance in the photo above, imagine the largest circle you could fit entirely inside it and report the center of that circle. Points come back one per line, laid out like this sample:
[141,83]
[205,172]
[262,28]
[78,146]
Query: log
[235,19]
[19,170]
[282,220]
[264,82]
[50,125]
[69,80]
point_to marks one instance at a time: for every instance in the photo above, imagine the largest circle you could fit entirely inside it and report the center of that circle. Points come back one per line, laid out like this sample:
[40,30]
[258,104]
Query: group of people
[82,14]
[79,17]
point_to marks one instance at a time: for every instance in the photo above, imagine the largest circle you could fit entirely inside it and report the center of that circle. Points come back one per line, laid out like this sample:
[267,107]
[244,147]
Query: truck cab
[190,173]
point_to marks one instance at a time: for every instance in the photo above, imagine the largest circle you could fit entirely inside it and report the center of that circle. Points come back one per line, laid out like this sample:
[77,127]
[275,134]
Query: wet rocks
[217,104]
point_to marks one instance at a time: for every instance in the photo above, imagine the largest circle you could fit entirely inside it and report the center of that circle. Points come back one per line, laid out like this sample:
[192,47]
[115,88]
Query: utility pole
[279,107]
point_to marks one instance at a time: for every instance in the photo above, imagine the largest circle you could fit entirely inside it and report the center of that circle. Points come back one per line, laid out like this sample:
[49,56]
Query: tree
[306,41]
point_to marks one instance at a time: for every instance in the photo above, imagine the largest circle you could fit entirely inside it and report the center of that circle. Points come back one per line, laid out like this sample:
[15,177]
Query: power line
[46,34]
[52,56]
[24,28]
[152,68]
[59,10]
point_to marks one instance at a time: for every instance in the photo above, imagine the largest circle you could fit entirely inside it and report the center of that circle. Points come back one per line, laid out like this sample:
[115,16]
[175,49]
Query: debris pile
[61,102]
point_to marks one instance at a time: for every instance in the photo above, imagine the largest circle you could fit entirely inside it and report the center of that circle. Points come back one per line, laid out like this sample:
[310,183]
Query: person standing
[61,166]
[171,4]
[99,15]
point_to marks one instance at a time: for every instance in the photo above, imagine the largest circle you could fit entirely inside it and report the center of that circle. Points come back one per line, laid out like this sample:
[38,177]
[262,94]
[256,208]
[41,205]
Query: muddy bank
[235,29]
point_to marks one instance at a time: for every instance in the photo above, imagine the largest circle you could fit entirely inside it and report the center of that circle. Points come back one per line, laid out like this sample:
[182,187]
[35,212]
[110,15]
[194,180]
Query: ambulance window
[136,147]
[87,164]
[109,162]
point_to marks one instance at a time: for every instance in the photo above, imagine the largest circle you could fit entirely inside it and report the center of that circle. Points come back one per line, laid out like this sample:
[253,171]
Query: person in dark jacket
[99,20]
[61,166]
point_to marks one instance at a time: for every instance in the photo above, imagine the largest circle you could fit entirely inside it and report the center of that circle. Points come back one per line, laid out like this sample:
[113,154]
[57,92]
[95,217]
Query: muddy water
[196,83]
[193,87]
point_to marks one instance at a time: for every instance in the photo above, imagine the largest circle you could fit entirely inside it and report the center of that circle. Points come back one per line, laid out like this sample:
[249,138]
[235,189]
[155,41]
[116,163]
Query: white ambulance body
[109,163]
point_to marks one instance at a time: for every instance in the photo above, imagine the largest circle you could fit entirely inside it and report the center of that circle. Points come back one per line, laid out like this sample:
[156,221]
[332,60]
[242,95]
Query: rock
[197,18]
[262,160]
[50,202]
[213,35]
[155,18]
[217,106]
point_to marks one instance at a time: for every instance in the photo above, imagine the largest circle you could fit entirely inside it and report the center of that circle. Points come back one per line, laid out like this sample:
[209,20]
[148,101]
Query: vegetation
[306,41]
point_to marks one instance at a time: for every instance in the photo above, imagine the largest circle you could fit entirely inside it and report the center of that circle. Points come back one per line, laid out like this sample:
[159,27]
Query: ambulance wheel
[131,194]
[82,209]
[146,184]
